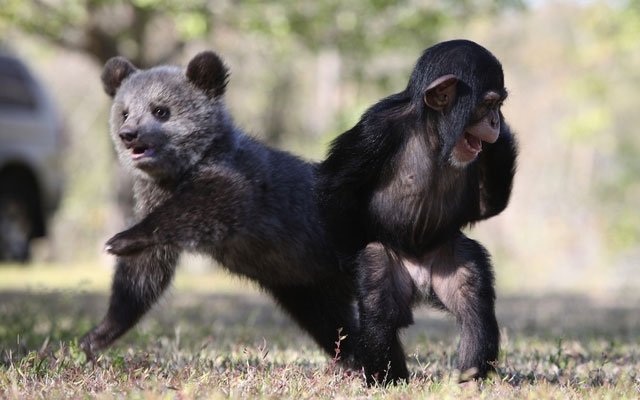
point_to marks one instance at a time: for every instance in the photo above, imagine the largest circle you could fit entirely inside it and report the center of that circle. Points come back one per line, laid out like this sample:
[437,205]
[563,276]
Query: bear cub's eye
[161,113]
[125,115]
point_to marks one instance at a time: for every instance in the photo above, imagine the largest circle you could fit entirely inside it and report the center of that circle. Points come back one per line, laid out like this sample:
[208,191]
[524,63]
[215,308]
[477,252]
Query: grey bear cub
[203,185]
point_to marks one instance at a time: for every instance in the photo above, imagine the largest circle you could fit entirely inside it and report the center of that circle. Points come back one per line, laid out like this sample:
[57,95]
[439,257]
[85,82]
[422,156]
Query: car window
[15,86]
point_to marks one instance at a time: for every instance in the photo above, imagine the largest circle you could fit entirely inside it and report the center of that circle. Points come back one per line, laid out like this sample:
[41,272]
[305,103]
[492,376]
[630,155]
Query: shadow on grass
[550,316]
[28,318]
[542,335]
[573,340]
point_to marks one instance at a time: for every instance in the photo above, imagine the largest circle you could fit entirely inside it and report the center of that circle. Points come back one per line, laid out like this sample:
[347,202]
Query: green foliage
[103,29]
[573,67]
[192,25]
[359,28]
[589,124]
[606,94]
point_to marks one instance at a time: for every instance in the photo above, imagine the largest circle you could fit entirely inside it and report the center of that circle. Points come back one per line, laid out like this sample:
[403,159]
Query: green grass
[216,336]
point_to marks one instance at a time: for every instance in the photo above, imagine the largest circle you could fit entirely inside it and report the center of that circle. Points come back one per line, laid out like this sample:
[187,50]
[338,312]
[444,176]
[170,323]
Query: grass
[215,336]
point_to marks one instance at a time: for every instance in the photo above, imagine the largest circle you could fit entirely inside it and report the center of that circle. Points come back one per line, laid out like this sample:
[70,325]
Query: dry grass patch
[233,342]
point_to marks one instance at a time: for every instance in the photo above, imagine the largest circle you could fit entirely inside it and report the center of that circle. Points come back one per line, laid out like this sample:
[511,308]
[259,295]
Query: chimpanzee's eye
[161,113]
[495,105]
[480,111]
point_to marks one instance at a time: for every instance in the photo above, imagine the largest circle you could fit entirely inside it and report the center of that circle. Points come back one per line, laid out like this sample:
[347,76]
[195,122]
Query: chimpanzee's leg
[385,293]
[463,282]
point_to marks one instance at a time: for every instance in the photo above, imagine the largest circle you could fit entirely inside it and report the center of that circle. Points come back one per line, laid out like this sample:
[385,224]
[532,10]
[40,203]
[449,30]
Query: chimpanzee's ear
[207,71]
[115,71]
[441,93]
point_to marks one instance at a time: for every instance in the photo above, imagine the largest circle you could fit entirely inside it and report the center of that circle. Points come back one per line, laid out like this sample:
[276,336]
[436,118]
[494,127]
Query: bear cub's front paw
[126,243]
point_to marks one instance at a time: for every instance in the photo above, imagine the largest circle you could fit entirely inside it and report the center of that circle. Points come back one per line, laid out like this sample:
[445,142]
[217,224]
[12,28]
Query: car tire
[15,229]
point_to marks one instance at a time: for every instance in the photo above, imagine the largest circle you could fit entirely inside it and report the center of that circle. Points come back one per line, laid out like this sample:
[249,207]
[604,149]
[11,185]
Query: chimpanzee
[398,187]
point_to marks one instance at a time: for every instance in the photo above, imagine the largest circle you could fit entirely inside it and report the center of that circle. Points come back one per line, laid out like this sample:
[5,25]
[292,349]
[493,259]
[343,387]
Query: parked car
[31,143]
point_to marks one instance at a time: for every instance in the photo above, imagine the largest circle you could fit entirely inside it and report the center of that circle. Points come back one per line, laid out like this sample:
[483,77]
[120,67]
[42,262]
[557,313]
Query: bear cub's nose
[128,136]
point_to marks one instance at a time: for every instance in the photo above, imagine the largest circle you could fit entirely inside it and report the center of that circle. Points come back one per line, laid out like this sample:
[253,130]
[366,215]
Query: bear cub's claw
[125,244]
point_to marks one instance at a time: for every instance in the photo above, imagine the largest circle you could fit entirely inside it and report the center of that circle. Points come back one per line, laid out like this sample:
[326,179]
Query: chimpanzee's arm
[497,166]
[355,161]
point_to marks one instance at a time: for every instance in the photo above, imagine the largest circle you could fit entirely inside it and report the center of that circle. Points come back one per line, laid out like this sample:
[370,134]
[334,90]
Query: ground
[214,336]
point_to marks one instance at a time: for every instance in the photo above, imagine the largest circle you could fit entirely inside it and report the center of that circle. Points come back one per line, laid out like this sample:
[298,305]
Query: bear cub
[203,185]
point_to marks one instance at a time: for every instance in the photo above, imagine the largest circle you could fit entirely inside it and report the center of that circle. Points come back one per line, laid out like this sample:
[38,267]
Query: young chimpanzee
[398,188]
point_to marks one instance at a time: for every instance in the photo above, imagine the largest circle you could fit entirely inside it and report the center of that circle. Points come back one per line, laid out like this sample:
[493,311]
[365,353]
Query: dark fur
[212,189]
[395,205]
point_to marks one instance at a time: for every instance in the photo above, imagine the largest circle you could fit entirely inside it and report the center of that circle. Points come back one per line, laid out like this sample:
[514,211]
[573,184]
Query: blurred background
[304,71]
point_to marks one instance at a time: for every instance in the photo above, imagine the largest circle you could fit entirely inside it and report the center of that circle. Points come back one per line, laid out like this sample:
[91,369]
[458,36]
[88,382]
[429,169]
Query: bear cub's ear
[116,70]
[207,72]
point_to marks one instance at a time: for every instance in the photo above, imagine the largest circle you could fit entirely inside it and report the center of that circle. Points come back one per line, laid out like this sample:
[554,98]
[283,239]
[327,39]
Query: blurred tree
[146,31]
[151,32]
[361,43]
[363,27]
[318,51]
[606,119]
[155,31]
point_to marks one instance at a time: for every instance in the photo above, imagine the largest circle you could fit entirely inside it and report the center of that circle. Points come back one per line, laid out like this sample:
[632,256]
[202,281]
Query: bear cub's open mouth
[141,151]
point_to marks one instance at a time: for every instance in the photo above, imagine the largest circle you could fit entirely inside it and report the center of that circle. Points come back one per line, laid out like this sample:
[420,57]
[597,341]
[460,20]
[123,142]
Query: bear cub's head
[164,119]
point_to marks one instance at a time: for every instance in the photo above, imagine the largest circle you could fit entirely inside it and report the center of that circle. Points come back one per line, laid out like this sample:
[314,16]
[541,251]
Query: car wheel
[15,229]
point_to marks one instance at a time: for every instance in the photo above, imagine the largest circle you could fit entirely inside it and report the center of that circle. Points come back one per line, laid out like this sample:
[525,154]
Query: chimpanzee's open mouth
[472,143]
[141,151]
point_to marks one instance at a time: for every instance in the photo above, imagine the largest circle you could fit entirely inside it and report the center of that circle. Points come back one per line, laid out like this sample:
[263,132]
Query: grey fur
[210,188]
